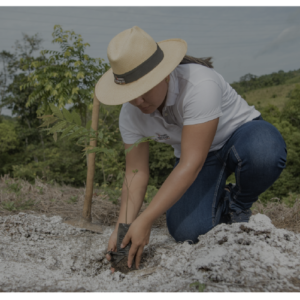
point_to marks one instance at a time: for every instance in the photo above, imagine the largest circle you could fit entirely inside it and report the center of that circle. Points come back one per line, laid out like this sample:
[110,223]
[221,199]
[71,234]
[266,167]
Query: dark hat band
[141,70]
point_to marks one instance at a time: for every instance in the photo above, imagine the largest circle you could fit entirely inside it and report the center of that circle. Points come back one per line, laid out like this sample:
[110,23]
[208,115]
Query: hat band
[141,70]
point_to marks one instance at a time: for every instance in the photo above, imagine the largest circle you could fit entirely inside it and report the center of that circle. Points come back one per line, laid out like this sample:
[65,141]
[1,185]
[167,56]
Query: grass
[52,199]
[73,199]
[200,286]
[276,95]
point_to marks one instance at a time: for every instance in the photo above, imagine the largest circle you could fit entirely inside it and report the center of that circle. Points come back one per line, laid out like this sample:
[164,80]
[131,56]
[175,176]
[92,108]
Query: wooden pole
[87,205]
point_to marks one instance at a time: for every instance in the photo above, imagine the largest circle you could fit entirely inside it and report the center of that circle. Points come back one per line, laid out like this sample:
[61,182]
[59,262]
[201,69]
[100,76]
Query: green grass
[72,199]
[200,286]
[276,95]
[18,205]
[13,187]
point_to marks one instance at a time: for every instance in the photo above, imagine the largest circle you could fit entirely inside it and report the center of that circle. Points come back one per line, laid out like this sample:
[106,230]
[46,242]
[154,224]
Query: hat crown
[129,49]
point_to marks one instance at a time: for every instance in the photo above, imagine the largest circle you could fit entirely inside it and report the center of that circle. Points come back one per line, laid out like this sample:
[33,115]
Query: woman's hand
[112,246]
[139,234]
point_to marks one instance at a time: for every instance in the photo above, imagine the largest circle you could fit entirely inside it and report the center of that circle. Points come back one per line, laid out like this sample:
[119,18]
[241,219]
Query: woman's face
[153,99]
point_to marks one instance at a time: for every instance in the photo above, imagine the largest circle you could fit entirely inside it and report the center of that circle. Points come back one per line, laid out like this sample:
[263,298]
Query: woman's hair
[205,61]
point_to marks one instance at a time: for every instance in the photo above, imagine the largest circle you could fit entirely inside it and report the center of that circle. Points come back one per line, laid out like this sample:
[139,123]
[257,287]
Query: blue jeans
[256,152]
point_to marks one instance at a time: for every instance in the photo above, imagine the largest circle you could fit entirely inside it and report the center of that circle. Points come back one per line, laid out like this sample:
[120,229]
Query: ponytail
[205,61]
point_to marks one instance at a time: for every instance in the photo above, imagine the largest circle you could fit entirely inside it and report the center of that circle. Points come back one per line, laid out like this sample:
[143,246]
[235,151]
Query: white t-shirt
[196,94]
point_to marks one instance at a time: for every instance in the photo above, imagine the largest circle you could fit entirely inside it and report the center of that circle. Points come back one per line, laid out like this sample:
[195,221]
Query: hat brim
[110,93]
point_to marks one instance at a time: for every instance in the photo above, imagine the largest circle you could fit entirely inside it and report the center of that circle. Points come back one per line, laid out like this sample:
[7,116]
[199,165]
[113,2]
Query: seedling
[201,286]
[73,199]
[9,205]
[40,189]
[14,187]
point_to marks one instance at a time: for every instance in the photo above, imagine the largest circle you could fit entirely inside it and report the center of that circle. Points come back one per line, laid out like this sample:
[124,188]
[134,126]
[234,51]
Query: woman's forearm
[136,193]
[179,180]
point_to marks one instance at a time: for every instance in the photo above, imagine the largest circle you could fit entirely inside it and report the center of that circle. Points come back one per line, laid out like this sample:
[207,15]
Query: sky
[241,40]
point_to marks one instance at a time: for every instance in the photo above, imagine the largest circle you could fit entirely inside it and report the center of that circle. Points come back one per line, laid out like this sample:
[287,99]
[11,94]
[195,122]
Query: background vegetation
[35,87]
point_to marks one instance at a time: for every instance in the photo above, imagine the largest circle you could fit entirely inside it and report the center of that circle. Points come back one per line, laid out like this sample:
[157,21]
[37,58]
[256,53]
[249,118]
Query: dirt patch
[40,253]
[56,200]
[282,216]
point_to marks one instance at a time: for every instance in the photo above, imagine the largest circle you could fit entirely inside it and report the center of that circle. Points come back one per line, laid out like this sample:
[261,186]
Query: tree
[5,57]
[65,77]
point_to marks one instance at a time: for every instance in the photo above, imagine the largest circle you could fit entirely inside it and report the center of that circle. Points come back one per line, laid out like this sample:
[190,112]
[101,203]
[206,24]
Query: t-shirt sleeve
[128,129]
[203,103]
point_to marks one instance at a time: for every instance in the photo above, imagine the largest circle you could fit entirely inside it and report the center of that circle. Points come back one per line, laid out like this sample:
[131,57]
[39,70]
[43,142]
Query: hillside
[276,95]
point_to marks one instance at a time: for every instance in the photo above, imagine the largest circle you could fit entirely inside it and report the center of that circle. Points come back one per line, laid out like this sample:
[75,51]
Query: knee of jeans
[185,232]
[275,158]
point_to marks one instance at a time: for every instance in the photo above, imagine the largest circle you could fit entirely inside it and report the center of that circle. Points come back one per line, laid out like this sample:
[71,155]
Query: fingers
[114,248]
[139,256]
[125,241]
[131,254]
[112,270]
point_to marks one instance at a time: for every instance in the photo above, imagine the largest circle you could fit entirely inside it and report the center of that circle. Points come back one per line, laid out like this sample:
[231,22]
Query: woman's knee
[263,148]
[186,230]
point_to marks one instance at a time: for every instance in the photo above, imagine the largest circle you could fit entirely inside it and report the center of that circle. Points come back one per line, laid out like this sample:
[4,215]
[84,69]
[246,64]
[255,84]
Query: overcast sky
[241,40]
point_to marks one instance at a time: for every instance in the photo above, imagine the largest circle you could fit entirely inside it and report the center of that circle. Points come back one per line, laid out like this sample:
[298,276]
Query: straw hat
[138,64]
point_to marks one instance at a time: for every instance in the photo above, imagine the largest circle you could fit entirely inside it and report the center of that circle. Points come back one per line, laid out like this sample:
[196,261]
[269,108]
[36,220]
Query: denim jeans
[256,153]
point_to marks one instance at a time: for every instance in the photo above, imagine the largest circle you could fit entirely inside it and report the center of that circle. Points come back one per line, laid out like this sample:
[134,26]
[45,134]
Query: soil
[118,262]
[40,253]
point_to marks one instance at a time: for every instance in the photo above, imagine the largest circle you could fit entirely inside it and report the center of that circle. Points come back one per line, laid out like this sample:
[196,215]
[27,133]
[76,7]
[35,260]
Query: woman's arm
[195,144]
[134,185]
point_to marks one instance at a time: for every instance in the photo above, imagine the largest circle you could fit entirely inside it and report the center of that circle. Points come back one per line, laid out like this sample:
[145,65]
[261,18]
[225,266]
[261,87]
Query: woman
[183,102]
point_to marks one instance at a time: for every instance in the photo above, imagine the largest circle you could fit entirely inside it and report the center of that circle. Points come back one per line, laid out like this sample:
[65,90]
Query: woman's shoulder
[195,74]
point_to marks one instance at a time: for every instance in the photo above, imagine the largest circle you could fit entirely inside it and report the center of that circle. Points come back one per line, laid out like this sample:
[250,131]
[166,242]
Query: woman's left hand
[139,234]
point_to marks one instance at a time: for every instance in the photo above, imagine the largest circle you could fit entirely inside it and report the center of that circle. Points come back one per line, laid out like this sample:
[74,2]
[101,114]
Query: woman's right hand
[112,246]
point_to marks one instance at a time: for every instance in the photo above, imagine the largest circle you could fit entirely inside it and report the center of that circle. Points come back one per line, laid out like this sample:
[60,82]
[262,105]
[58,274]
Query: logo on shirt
[161,137]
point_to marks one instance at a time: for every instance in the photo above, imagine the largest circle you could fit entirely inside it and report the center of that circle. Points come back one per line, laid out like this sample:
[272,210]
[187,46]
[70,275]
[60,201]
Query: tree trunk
[87,206]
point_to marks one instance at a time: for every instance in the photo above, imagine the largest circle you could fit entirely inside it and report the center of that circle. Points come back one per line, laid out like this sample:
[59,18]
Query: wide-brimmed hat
[138,64]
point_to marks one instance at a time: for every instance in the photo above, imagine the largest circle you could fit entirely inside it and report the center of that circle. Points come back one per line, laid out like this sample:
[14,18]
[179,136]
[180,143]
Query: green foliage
[73,199]
[200,286]
[9,205]
[64,77]
[150,193]
[13,187]
[291,110]
[161,162]
[113,193]
[250,82]
[8,136]
[18,205]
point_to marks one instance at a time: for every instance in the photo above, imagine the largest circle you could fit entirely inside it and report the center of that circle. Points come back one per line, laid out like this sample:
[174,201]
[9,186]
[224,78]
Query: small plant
[26,204]
[201,286]
[274,96]
[73,199]
[9,205]
[150,193]
[112,193]
[40,189]
[14,187]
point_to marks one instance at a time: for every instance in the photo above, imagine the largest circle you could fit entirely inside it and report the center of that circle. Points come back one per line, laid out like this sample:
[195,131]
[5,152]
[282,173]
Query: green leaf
[55,136]
[142,140]
[67,115]
[56,111]
[88,124]
[58,126]
[67,130]
[76,117]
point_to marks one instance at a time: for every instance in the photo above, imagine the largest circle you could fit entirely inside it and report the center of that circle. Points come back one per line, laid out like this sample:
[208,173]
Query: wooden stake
[87,206]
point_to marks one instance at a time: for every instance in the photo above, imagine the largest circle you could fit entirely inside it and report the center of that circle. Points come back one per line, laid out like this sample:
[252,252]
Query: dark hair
[205,61]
